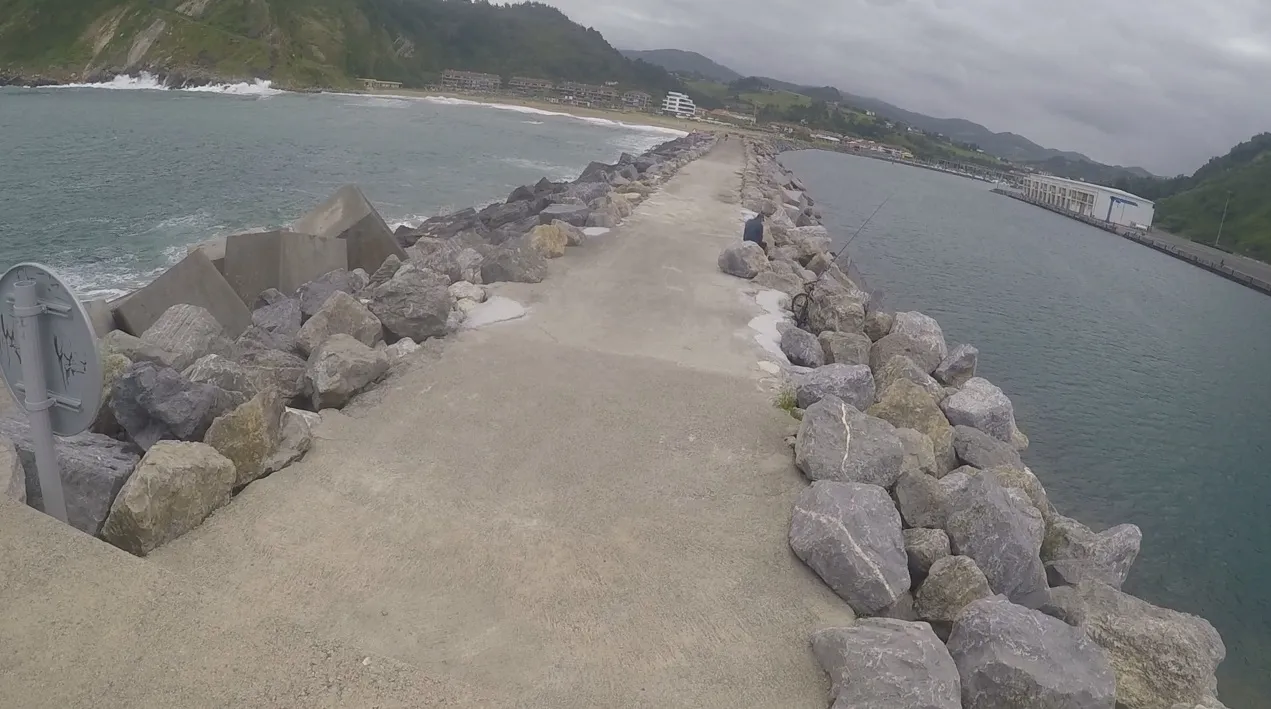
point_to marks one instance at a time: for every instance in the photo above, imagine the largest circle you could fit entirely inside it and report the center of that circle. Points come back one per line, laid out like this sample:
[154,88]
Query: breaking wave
[448,101]
[146,81]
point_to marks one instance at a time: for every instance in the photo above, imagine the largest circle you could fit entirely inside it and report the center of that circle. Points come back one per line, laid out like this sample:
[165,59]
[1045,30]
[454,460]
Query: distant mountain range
[1008,146]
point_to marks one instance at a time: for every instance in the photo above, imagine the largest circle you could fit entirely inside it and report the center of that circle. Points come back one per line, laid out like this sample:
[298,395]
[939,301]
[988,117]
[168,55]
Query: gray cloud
[1165,84]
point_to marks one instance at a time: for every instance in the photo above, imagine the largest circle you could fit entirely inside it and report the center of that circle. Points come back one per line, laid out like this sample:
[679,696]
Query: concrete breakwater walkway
[586,507]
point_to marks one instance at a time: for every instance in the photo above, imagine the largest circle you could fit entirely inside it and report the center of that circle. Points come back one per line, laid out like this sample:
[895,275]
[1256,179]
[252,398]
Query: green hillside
[1192,206]
[308,43]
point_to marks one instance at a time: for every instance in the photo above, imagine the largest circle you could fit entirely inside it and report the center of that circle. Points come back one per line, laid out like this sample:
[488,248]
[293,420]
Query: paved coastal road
[588,507]
[1257,269]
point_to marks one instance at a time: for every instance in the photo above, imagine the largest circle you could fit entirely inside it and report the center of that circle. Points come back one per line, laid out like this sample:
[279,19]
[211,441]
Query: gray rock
[924,547]
[175,487]
[923,329]
[224,373]
[920,455]
[282,317]
[743,259]
[341,368]
[900,368]
[401,350]
[297,438]
[909,668]
[878,324]
[113,367]
[342,314]
[958,367]
[93,469]
[955,481]
[255,339]
[155,403]
[384,273]
[979,404]
[924,354]
[313,295]
[802,348]
[514,262]
[607,217]
[787,283]
[976,448]
[1161,657]
[922,501]
[845,347]
[12,474]
[853,384]
[574,236]
[953,583]
[1074,553]
[412,304]
[1010,657]
[497,215]
[819,263]
[275,369]
[188,332]
[575,214]
[1023,479]
[849,534]
[835,310]
[452,259]
[118,342]
[249,435]
[906,405]
[1001,536]
[267,297]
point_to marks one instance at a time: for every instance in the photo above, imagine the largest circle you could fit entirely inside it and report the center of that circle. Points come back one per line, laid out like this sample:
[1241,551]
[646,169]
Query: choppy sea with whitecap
[109,183]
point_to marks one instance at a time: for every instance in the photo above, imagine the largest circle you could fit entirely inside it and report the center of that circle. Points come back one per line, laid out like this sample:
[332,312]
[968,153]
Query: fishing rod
[873,214]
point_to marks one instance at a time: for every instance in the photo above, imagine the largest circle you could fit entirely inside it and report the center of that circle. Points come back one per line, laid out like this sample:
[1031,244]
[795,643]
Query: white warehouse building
[679,104]
[1103,203]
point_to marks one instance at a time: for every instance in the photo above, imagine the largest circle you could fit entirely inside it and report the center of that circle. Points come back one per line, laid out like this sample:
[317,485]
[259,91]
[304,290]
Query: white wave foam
[532,123]
[146,81]
[448,101]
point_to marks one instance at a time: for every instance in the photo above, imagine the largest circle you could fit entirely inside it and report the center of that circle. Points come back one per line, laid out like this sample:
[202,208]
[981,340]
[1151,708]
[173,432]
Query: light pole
[1224,219]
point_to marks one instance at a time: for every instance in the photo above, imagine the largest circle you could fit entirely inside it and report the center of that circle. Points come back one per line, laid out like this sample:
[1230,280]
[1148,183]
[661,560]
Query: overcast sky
[1164,84]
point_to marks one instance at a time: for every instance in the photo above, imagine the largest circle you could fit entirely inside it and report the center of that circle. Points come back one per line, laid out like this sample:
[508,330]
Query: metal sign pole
[28,310]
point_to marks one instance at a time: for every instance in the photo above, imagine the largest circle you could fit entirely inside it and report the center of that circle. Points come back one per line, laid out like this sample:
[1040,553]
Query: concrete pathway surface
[586,507]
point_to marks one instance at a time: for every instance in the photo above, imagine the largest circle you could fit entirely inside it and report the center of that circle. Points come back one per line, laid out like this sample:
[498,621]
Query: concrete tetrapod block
[194,281]
[284,260]
[349,215]
[213,249]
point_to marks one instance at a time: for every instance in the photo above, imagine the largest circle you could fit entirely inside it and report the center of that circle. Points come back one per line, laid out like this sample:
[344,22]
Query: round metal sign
[67,344]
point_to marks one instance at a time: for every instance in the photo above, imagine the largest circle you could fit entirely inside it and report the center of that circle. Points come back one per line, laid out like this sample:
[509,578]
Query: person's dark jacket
[754,230]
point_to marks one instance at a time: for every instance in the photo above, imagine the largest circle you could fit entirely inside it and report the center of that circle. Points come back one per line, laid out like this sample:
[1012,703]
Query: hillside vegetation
[308,43]
[1192,205]
[688,64]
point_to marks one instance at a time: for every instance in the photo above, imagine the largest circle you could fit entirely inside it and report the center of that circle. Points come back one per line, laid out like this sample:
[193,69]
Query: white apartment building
[1095,201]
[678,104]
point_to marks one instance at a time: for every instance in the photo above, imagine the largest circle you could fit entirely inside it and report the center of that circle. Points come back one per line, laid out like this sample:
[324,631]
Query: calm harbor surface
[110,186]
[1141,380]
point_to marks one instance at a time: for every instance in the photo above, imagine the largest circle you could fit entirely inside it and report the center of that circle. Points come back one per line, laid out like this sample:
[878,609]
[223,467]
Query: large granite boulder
[845,347]
[924,547]
[920,454]
[922,501]
[878,324]
[314,294]
[514,262]
[850,535]
[1161,657]
[744,259]
[12,474]
[784,280]
[835,310]
[923,329]
[981,405]
[249,435]
[837,442]
[341,368]
[923,354]
[113,367]
[93,468]
[976,448]
[384,273]
[175,487]
[959,367]
[575,214]
[907,405]
[574,236]
[1074,553]
[497,215]
[187,332]
[274,369]
[224,373]
[1023,479]
[118,342]
[454,259]
[548,239]
[414,303]
[901,367]
[255,339]
[909,668]
[802,348]
[1010,657]
[341,314]
[297,438]
[952,583]
[851,383]
[1002,536]
[155,403]
[282,317]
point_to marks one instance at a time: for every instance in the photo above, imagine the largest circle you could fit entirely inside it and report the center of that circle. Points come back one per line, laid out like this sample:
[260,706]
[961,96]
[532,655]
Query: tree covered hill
[685,63]
[308,43]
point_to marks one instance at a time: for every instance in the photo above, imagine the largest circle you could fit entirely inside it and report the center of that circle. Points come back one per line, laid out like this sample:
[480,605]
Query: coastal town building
[638,100]
[379,84]
[530,86]
[1095,201]
[678,104]
[456,80]
[588,94]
